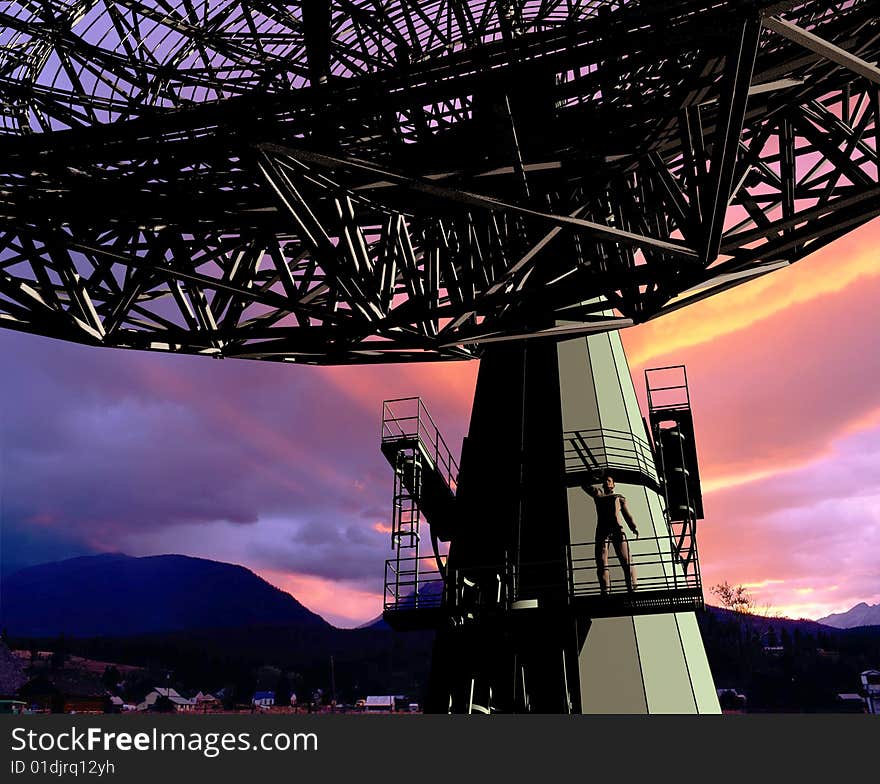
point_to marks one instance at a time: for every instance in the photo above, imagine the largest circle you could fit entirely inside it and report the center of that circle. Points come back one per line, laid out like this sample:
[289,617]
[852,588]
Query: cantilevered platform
[423,463]
[668,580]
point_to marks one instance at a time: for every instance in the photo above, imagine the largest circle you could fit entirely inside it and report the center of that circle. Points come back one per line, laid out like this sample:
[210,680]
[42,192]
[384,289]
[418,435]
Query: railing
[653,560]
[407,419]
[667,388]
[412,584]
[417,584]
[605,448]
[659,579]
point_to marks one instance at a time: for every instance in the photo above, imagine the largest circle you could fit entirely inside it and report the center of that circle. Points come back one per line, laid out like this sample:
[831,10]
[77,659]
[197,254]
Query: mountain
[374,623]
[209,625]
[861,615]
[117,595]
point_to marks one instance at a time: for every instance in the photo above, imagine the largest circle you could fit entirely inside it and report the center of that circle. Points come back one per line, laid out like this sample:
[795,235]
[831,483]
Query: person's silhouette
[610,506]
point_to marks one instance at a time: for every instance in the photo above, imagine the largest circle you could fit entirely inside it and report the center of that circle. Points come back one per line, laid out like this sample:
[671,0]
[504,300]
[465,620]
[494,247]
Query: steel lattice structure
[406,181]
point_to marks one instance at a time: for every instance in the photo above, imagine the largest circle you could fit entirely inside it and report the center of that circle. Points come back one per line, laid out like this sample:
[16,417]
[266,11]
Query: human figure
[609,507]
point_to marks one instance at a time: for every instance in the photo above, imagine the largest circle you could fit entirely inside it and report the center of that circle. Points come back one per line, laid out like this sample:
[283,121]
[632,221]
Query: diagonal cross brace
[484,202]
[740,64]
[823,48]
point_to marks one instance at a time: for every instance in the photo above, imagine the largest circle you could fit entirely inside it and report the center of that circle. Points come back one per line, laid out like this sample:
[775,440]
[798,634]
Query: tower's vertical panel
[643,663]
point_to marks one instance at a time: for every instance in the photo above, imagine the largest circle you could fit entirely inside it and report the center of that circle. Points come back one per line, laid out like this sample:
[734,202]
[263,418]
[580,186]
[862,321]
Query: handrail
[657,564]
[601,448]
[420,425]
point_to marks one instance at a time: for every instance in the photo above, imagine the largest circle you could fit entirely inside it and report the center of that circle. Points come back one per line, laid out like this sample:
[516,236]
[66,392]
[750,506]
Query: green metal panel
[581,515]
[698,665]
[626,384]
[611,676]
[580,410]
[611,403]
[638,664]
[664,665]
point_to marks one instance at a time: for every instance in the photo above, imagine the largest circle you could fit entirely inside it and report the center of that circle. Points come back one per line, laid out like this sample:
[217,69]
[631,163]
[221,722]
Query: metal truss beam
[281,187]
[823,48]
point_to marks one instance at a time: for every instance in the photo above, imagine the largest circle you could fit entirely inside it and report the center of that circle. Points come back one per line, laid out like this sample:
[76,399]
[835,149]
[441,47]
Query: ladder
[425,481]
[672,428]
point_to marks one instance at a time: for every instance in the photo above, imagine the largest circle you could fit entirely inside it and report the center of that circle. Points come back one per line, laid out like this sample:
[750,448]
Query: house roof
[264,695]
[12,676]
[172,695]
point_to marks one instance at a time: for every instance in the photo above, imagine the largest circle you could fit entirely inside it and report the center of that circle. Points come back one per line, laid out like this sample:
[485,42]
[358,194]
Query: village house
[263,699]
[66,691]
[731,700]
[179,704]
[385,703]
[849,703]
[871,690]
[206,702]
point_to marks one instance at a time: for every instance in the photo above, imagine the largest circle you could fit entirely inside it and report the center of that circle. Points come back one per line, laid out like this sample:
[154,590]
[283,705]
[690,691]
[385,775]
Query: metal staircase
[425,477]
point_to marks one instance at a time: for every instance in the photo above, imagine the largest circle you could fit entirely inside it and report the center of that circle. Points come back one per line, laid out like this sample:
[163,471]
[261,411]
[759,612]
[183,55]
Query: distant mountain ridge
[214,625]
[116,595]
[862,614]
[119,595]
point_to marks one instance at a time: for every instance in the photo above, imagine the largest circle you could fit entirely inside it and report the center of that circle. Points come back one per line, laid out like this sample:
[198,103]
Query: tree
[734,597]
[266,677]
[228,696]
[282,690]
[111,677]
[137,685]
[59,656]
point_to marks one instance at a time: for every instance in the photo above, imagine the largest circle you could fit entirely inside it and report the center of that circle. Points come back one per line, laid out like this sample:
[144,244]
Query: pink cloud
[773,395]
[341,604]
[784,387]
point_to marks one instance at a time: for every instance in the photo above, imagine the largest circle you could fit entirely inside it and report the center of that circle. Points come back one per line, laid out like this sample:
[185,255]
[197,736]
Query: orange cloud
[339,603]
[446,388]
[784,373]
[831,270]
[773,396]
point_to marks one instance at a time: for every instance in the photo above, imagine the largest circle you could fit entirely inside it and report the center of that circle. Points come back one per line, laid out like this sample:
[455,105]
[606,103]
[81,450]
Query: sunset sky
[278,467]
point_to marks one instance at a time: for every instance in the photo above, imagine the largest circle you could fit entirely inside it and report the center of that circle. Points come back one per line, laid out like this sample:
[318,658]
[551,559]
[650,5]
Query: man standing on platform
[609,508]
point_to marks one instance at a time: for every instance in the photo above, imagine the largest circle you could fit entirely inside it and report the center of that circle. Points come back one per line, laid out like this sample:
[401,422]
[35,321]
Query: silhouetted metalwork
[425,480]
[672,428]
[349,182]
[423,597]
[422,591]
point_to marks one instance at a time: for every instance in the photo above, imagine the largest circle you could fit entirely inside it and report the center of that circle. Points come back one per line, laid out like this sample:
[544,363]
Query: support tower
[523,624]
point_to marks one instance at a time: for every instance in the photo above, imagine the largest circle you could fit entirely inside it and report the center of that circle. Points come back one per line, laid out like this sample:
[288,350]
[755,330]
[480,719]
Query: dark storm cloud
[99,445]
